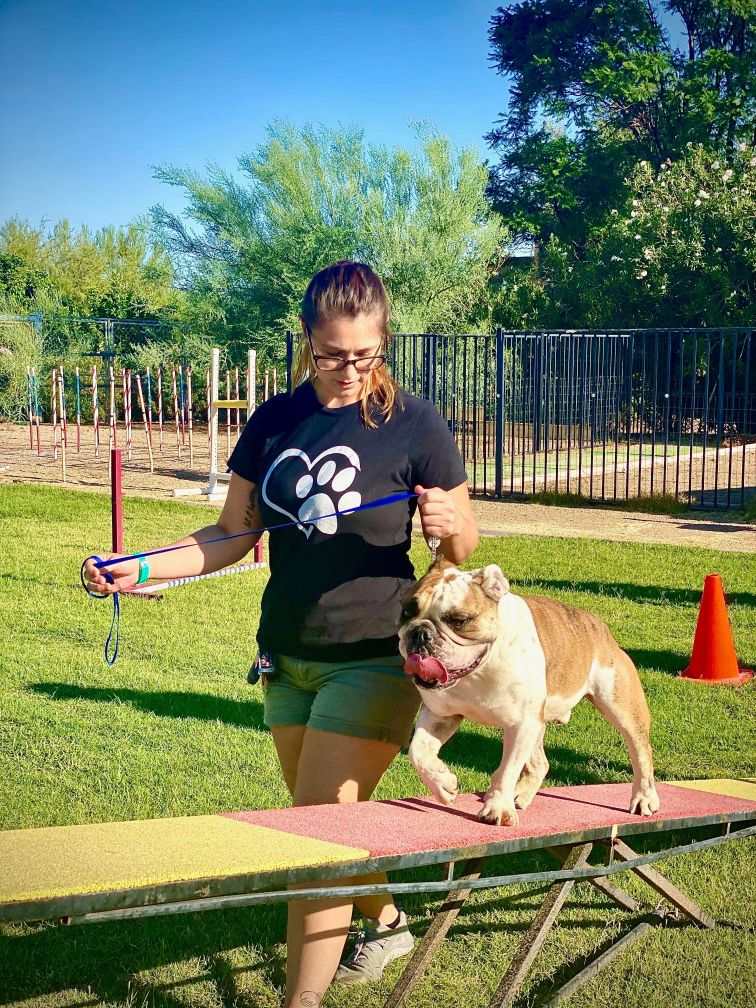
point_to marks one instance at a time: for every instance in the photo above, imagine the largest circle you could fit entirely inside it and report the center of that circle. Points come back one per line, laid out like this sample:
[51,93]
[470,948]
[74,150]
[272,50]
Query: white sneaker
[377,945]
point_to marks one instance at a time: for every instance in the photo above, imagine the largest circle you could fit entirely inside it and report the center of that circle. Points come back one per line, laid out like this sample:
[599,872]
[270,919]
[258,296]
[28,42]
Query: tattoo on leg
[250,509]
[309,999]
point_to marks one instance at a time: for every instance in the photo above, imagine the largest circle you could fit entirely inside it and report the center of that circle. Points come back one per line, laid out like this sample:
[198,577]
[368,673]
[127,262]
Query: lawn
[174,729]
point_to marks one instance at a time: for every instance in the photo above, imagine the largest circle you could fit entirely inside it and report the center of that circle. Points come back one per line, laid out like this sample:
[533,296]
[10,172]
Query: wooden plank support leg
[665,888]
[593,967]
[617,895]
[435,934]
[538,931]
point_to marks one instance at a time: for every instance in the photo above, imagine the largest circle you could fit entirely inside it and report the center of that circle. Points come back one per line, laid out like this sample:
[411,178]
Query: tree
[114,272]
[681,253]
[308,197]
[599,85]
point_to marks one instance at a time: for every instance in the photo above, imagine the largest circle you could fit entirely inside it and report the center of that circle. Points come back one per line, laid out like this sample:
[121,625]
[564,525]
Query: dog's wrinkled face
[451,616]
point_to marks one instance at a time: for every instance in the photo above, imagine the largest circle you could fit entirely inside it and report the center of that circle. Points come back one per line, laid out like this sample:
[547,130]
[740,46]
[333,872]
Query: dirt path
[709,530]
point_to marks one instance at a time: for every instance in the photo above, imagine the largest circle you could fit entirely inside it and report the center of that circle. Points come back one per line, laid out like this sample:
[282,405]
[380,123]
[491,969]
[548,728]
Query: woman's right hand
[125,575]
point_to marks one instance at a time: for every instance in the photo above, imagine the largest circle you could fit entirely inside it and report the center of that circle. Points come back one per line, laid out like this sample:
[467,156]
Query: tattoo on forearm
[249,514]
[309,999]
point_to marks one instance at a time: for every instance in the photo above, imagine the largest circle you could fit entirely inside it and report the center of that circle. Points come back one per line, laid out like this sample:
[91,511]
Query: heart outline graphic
[349,453]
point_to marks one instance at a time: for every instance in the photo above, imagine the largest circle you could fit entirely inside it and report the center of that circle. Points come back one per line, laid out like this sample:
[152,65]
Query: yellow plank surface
[66,860]
[734,788]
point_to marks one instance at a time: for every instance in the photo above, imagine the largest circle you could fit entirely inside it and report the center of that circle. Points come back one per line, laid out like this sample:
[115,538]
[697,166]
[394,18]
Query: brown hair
[348,289]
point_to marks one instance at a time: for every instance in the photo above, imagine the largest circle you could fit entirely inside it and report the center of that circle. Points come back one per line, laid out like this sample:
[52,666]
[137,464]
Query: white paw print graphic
[320,506]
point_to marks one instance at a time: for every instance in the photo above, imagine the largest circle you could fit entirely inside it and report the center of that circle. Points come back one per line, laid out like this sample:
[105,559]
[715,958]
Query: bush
[20,348]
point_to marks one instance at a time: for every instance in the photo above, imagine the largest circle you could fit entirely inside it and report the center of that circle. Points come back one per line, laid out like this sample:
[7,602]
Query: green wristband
[144,571]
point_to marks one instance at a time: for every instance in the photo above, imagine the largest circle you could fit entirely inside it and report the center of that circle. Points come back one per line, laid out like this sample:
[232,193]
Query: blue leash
[116,621]
[100,563]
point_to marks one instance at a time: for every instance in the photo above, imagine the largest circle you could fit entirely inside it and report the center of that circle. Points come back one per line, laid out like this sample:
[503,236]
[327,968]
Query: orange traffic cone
[713,660]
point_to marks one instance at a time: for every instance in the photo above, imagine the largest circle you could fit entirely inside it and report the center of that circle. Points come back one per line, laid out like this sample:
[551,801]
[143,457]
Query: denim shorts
[370,698]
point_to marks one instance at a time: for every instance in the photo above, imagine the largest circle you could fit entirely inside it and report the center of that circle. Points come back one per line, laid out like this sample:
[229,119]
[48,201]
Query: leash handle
[115,624]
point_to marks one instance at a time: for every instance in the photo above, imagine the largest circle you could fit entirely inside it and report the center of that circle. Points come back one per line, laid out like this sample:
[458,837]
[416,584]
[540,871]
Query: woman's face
[339,339]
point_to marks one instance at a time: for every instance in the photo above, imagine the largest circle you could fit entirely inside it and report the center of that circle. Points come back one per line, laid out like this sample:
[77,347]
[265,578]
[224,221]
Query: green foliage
[20,348]
[680,254]
[66,276]
[315,195]
[626,92]
[683,251]
[113,273]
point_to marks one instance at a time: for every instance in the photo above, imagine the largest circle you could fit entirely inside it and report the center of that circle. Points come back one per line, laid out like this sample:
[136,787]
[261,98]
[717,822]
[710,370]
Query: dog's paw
[645,803]
[524,796]
[496,813]
[442,783]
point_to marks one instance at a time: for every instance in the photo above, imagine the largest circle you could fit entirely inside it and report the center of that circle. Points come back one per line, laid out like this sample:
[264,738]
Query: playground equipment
[116,870]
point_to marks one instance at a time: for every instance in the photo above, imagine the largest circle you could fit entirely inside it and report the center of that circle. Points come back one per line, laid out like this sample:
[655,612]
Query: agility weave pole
[110,871]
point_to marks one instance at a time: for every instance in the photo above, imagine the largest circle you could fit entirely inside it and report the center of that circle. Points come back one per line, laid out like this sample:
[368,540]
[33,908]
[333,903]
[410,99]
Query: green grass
[174,729]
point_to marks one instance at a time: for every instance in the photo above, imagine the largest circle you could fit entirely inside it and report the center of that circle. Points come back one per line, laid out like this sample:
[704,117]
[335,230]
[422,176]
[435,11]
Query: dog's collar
[454,675]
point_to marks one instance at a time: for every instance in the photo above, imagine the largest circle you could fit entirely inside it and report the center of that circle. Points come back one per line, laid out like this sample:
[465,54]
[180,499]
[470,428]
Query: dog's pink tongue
[427,669]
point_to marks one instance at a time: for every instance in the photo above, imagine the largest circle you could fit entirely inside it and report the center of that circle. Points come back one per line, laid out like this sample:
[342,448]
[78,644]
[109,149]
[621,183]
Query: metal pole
[499,422]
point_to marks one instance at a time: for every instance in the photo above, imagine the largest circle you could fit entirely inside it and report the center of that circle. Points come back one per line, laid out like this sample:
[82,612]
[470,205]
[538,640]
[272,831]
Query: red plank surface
[411,825]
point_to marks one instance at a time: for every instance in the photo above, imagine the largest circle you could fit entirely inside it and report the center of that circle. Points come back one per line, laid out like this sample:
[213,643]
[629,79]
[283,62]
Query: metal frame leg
[623,900]
[593,967]
[664,887]
[538,931]
[571,856]
[435,934]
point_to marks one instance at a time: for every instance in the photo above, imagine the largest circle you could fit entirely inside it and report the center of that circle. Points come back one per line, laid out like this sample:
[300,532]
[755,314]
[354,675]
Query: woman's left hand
[438,513]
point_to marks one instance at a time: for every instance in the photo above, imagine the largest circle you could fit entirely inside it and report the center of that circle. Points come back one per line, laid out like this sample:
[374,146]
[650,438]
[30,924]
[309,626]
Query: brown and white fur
[537,659]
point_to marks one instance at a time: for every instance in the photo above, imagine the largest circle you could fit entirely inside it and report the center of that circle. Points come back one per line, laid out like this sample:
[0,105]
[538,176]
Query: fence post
[252,381]
[213,420]
[289,358]
[426,367]
[537,392]
[499,421]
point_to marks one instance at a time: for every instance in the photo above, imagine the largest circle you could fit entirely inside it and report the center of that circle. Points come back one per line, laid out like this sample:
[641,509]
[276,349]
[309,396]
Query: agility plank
[59,870]
[424,829]
[735,788]
[71,870]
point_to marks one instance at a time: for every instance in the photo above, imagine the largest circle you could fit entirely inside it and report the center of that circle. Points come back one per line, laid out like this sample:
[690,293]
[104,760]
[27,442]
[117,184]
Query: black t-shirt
[335,586]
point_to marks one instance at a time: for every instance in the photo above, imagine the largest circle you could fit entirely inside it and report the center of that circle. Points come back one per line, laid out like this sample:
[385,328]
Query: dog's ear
[491,581]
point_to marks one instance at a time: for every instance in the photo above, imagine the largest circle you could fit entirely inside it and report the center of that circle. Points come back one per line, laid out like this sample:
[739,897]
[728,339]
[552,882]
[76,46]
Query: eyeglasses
[361,364]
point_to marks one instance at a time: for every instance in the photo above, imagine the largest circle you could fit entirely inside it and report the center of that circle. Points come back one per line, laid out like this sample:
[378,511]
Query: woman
[336,699]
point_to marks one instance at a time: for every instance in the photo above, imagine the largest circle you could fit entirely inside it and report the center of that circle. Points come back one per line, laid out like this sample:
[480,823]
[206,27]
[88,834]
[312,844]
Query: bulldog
[476,650]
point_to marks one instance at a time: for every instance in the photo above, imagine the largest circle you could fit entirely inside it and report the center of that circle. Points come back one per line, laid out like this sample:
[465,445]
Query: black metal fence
[607,415]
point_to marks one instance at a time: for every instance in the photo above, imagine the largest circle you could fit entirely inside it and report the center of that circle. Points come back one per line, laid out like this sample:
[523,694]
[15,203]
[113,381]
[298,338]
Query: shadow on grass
[654,594]
[566,766]
[671,662]
[203,706]
[107,959]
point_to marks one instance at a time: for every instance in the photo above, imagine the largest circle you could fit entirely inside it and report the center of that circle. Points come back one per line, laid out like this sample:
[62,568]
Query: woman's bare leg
[332,768]
[288,741]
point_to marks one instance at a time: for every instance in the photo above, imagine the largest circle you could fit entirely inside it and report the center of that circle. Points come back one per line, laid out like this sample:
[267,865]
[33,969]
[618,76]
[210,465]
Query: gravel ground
[174,470]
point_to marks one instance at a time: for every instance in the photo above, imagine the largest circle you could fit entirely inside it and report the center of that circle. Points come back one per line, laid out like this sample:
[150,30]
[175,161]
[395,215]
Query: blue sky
[95,93]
